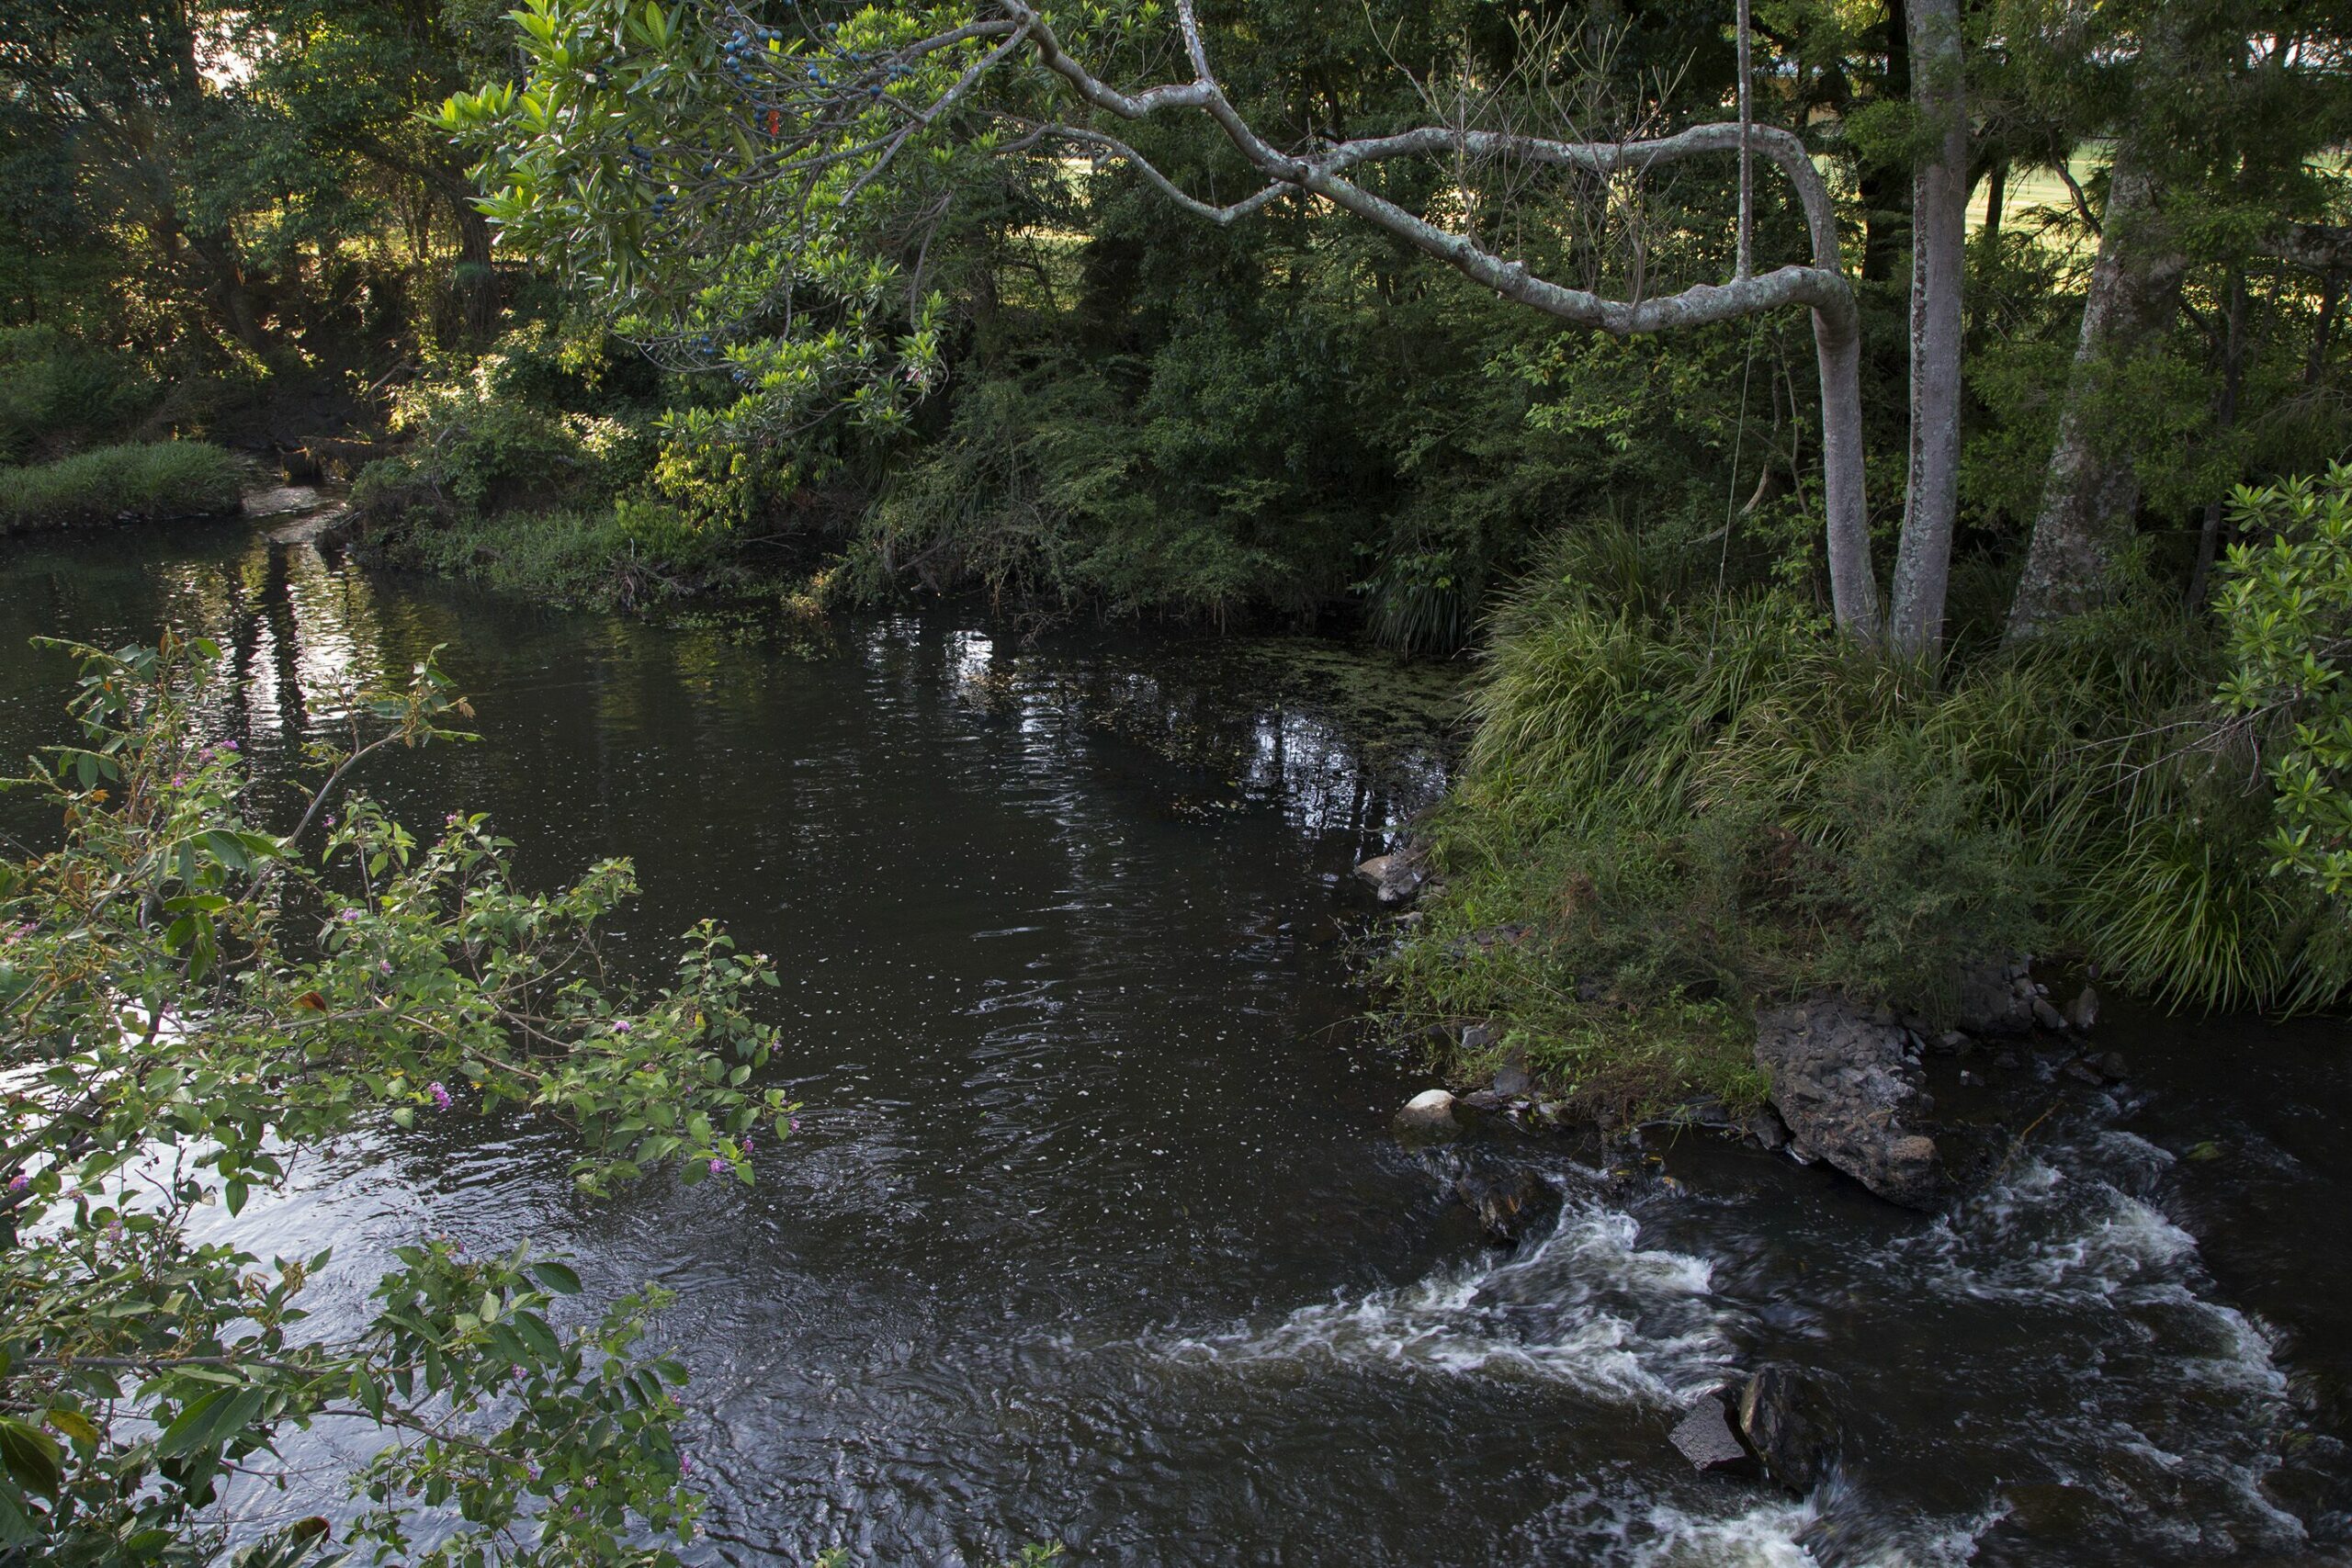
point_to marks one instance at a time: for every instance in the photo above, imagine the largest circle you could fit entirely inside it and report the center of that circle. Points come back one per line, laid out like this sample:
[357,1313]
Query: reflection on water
[1094,1232]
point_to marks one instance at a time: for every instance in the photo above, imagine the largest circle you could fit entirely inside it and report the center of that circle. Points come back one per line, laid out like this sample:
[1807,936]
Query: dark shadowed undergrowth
[1694,803]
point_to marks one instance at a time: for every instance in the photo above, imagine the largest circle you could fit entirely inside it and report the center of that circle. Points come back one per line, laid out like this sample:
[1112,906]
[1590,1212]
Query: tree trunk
[1997,190]
[2331,291]
[1853,585]
[478,290]
[216,254]
[1939,264]
[1884,188]
[2225,415]
[2092,487]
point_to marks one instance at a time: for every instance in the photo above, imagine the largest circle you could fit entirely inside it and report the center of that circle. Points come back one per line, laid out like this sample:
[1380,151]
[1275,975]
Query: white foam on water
[1588,1306]
[1764,1536]
[2043,1235]
[1835,1525]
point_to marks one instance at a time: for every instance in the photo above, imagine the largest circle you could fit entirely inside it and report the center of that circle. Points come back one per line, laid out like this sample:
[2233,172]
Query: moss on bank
[1680,805]
[151,481]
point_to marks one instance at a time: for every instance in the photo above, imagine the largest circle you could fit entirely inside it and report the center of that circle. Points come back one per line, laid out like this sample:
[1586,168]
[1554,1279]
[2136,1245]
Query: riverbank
[1680,809]
[138,481]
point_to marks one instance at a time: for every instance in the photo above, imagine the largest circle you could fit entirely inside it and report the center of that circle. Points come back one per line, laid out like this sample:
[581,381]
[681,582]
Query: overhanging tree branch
[1822,287]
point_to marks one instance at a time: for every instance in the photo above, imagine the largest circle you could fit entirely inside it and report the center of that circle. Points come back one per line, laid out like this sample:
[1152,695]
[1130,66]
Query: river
[1094,1232]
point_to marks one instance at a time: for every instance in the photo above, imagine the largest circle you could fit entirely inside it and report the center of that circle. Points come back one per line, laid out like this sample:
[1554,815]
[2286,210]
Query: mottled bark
[2092,489]
[1938,265]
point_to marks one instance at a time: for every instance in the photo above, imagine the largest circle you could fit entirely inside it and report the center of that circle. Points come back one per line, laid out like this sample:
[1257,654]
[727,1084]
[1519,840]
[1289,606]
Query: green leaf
[74,1424]
[30,1456]
[556,1277]
[211,1422]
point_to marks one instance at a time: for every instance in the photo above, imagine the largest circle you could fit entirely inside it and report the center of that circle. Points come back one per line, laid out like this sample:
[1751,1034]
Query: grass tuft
[153,480]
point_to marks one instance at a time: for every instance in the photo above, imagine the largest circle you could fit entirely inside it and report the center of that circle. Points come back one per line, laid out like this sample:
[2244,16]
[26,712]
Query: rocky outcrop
[1509,1205]
[1844,1083]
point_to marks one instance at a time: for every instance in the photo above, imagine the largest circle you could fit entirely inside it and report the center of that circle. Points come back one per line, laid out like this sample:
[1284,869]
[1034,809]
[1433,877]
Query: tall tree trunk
[1997,190]
[1884,188]
[2331,292]
[1853,585]
[216,254]
[1938,265]
[2225,415]
[478,290]
[2092,487]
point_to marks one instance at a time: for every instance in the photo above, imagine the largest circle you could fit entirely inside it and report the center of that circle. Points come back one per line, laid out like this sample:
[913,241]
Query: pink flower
[718,1167]
[384,965]
[228,746]
[18,1182]
[441,1101]
[621,1026]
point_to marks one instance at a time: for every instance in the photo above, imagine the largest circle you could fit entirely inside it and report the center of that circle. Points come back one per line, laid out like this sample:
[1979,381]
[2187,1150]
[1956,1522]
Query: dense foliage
[1678,804]
[192,1004]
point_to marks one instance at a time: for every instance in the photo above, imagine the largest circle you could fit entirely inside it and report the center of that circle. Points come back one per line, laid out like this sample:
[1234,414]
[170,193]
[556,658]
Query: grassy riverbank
[1680,804]
[147,480]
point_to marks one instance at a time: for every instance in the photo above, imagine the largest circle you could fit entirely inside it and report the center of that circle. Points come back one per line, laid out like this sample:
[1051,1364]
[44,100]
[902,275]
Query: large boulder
[1843,1082]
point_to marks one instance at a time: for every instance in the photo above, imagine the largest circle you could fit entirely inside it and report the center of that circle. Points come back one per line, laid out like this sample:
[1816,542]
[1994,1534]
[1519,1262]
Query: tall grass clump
[626,555]
[1680,805]
[151,481]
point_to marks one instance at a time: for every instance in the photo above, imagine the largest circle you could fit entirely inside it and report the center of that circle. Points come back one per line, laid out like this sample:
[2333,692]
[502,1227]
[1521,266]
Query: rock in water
[1428,1114]
[1786,1427]
[1996,997]
[1705,1438]
[2083,1011]
[1842,1082]
[1397,877]
[1507,1206]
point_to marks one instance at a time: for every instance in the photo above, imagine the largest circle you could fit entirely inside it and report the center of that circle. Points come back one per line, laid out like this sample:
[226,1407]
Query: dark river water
[1094,1232]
